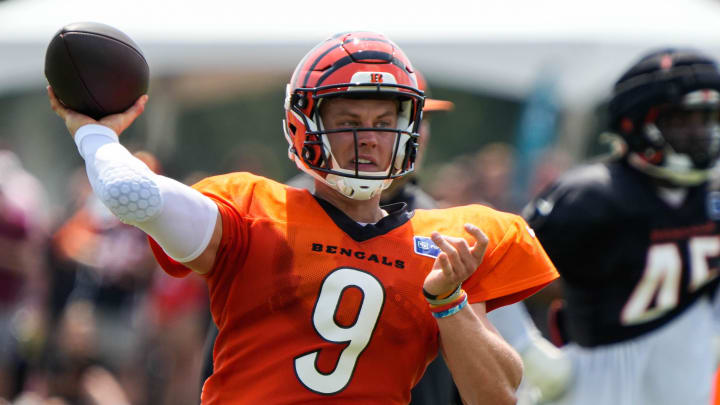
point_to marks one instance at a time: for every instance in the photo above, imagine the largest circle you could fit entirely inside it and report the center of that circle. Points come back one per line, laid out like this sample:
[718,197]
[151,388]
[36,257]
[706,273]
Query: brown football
[96,69]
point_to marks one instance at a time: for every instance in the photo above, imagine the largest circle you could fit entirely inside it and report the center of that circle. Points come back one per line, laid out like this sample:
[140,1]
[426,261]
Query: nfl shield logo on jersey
[713,205]
[426,247]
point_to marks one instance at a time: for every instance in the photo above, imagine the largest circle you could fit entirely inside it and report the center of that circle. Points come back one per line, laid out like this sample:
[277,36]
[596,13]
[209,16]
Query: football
[95,69]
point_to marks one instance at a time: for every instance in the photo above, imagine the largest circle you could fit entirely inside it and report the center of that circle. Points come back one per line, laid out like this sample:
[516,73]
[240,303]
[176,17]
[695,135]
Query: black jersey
[630,262]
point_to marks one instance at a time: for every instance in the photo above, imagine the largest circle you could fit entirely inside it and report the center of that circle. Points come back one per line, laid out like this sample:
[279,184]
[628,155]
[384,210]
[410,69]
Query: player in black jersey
[637,240]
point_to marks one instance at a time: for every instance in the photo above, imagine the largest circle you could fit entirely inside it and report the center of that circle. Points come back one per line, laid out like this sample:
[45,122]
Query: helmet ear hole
[309,154]
[312,150]
[300,101]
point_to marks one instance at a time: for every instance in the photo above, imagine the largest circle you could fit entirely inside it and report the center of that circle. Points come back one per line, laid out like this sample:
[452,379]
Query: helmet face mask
[666,108]
[691,132]
[358,65]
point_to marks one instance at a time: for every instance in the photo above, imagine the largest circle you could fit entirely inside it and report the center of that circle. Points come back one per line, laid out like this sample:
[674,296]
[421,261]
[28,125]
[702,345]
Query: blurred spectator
[73,349]
[483,177]
[24,227]
[551,164]
[450,183]
[103,271]
[112,306]
[177,315]
[490,171]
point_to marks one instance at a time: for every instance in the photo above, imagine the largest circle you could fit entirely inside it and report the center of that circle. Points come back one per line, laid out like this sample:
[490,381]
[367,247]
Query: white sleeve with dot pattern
[178,217]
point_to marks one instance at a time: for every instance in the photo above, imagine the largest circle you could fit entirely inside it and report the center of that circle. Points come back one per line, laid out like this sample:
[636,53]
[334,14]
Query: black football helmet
[666,107]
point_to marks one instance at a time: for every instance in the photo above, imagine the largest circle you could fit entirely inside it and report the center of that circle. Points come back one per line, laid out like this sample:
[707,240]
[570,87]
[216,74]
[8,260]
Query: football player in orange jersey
[436,386]
[329,297]
[546,370]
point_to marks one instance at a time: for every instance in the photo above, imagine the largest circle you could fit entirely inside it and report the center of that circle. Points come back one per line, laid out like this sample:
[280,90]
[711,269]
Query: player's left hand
[456,262]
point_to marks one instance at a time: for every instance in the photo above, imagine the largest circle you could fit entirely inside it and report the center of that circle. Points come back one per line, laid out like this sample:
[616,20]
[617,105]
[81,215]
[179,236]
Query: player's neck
[366,211]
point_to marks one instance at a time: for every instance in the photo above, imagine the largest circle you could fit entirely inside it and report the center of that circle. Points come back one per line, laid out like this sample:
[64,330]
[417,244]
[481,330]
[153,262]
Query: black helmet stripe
[316,61]
[360,56]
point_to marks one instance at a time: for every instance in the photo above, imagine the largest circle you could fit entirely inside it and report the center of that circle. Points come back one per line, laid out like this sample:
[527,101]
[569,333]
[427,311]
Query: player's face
[374,147]
[693,132]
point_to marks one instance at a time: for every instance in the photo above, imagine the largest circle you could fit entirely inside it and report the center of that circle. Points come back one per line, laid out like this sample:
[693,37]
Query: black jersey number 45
[662,278]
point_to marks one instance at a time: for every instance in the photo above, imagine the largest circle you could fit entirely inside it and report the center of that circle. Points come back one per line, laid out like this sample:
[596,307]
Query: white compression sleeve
[178,217]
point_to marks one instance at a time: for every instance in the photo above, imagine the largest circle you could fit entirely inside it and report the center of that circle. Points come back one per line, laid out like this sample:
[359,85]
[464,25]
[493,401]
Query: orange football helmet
[356,65]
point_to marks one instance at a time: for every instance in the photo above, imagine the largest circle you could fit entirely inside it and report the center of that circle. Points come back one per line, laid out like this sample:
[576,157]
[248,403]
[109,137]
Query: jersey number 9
[357,336]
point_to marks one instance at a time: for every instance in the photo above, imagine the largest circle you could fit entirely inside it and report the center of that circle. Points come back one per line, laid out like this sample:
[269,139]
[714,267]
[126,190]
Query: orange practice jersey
[314,308]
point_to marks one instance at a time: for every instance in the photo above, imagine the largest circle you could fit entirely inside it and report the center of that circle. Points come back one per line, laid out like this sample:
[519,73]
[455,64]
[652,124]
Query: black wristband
[435,297]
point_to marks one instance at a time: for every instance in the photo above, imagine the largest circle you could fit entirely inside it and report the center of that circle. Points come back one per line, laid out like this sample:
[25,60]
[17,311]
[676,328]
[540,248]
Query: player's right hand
[117,122]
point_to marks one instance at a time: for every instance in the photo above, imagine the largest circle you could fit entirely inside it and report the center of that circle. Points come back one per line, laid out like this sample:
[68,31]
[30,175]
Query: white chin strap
[357,189]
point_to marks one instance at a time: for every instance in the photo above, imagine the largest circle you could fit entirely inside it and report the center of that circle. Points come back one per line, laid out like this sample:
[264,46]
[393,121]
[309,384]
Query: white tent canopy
[485,46]
[499,46]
